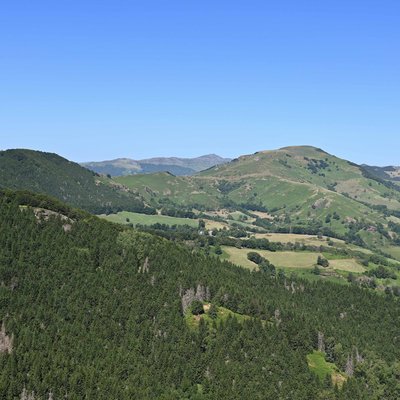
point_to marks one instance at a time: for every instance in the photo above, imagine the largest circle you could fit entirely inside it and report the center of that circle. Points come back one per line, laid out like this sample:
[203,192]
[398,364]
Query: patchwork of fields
[343,258]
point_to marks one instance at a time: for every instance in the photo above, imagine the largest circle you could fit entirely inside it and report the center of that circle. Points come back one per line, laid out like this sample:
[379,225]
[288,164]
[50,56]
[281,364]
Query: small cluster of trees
[382,273]
[322,261]
[263,264]
[176,212]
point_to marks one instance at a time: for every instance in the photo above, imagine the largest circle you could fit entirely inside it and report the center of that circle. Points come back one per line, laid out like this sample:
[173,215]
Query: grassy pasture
[394,251]
[311,240]
[263,215]
[279,258]
[211,224]
[143,219]
[293,260]
[394,219]
[347,264]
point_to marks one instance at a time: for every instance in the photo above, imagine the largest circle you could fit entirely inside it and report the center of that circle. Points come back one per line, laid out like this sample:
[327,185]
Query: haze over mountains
[173,165]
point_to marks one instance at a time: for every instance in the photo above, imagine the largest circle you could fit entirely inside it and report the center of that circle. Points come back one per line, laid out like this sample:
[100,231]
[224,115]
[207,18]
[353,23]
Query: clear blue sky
[95,80]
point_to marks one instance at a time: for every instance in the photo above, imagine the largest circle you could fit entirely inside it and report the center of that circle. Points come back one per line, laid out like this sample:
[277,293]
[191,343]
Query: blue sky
[95,80]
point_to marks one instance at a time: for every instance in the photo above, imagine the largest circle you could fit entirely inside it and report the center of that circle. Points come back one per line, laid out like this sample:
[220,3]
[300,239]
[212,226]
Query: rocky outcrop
[6,342]
[201,293]
[321,342]
[349,366]
[144,269]
[26,395]
[277,316]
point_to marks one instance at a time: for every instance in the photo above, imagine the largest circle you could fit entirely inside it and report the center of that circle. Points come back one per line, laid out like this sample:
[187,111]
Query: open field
[211,224]
[311,240]
[279,258]
[356,248]
[239,216]
[394,219]
[394,251]
[348,265]
[143,219]
[290,260]
[263,215]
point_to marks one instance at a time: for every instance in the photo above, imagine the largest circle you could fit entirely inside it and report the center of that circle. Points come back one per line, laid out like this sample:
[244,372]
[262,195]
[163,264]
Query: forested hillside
[53,175]
[93,310]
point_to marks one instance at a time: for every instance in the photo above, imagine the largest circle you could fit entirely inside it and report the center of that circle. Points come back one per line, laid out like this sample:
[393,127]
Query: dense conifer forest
[41,172]
[93,310]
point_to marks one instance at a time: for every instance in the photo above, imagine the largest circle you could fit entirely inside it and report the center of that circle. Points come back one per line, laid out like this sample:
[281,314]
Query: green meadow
[125,217]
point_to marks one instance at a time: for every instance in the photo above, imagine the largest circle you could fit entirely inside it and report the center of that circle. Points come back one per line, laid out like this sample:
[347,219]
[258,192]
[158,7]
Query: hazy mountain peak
[174,165]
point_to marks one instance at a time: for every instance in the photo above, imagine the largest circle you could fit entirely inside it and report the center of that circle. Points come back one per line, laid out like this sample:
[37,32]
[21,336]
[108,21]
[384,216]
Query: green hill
[101,311]
[69,182]
[301,189]
[164,187]
[313,170]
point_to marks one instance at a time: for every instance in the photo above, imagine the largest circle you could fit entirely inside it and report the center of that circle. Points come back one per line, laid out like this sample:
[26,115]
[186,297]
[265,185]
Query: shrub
[197,307]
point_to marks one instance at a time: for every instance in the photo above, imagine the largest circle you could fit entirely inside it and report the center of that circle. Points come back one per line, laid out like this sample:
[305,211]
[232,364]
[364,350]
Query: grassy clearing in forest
[322,368]
[279,258]
[144,219]
[347,264]
[223,314]
[289,259]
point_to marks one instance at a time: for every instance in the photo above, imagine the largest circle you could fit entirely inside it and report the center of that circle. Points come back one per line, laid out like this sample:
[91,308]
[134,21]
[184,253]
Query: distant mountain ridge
[391,173]
[174,165]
